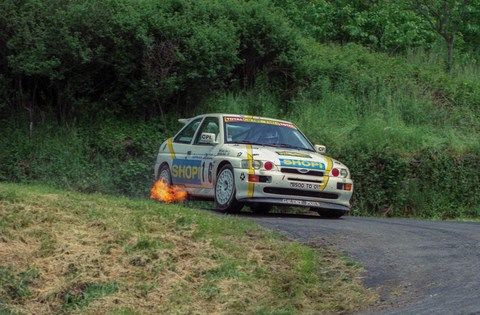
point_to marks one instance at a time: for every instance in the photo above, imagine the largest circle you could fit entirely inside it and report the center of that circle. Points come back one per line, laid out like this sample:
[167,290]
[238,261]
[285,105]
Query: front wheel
[329,214]
[225,200]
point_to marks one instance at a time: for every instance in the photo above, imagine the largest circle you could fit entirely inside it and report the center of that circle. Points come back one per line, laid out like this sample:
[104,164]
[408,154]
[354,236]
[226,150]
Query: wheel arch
[220,165]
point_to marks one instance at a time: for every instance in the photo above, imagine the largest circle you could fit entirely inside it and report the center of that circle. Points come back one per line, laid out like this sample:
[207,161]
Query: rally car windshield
[281,135]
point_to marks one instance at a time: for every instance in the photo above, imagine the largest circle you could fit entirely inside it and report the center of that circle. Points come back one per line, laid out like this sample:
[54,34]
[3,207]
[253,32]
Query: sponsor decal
[305,203]
[206,137]
[258,121]
[242,176]
[187,171]
[304,164]
[297,154]
[223,152]
[202,156]
[300,202]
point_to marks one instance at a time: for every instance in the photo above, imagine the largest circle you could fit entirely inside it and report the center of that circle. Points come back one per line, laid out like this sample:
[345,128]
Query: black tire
[224,181]
[165,169]
[330,214]
[260,208]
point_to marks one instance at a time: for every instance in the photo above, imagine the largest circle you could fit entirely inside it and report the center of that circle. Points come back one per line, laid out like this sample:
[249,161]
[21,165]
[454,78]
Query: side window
[210,125]
[186,135]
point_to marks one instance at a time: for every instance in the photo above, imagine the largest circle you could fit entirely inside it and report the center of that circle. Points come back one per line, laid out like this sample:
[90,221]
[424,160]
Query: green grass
[15,285]
[70,252]
[82,294]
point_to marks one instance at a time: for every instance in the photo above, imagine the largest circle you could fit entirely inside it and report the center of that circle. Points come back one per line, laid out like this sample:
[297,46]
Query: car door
[206,151]
[184,170]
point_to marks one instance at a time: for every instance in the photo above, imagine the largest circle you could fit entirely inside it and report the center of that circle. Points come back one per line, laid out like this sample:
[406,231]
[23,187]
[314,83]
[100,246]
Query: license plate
[310,186]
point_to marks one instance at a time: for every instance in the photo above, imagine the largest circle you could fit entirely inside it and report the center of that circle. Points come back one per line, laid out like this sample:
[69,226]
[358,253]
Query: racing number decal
[209,172]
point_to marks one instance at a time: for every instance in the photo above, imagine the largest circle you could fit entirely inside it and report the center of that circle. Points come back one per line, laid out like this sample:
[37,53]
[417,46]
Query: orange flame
[161,191]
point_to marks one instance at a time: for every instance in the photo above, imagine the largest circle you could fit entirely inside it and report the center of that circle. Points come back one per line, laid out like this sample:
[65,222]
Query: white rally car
[238,159]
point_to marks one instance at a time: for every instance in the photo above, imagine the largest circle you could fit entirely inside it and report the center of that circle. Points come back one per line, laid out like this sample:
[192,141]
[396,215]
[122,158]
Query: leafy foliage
[88,88]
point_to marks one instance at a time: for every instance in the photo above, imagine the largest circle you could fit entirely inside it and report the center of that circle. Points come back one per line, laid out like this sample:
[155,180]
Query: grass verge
[74,253]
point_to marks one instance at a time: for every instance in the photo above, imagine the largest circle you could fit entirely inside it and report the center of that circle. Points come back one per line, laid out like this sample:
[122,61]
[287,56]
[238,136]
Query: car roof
[186,120]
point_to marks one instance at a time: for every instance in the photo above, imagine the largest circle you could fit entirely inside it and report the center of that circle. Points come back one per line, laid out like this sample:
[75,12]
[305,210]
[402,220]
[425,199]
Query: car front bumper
[322,192]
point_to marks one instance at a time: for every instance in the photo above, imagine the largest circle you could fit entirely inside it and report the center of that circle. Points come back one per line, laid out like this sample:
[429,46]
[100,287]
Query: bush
[77,60]
[115,157]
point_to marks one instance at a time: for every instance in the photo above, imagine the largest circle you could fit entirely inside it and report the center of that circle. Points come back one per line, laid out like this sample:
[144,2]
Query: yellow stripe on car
[170,147]
[326,175]
[251,171]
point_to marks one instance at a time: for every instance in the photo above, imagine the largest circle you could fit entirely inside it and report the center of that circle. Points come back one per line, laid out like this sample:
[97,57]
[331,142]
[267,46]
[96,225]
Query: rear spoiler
[184,120]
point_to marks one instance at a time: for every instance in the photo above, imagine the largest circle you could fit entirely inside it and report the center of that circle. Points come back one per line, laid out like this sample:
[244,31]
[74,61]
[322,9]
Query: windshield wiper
[284,145]
[246,142]
[275,145]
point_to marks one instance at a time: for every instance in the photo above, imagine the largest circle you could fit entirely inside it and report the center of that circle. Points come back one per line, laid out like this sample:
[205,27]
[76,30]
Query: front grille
[296,171]
[299,192]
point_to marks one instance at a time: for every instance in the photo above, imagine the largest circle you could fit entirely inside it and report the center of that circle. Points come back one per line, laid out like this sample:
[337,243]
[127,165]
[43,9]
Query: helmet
[270,136]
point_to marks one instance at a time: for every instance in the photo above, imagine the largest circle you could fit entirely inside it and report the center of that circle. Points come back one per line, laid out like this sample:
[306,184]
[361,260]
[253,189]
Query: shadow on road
[312,216]
[249,214]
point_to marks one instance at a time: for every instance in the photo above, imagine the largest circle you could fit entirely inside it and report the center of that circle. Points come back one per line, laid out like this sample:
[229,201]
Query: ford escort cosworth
[239,160]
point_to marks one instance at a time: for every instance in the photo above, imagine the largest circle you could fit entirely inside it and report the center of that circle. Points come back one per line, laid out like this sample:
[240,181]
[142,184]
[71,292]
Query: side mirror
[321,148]
[207,138]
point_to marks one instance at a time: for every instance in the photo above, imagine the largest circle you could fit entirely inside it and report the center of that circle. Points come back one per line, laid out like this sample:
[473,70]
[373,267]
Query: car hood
[285,157]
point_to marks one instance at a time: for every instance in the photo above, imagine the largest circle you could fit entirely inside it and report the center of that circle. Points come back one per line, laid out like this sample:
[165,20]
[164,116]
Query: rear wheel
[260,208]
[225,200]
[329,214]
[164,174]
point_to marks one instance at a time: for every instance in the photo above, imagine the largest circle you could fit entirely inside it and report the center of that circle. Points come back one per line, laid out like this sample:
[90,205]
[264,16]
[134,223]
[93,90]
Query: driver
[270,136]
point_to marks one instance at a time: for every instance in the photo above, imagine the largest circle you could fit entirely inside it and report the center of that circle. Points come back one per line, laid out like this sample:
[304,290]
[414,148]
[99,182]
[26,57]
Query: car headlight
[344,172]
[257,164]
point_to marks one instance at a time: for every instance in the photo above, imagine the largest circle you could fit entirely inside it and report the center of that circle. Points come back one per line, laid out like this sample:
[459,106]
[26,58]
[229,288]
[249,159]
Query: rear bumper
[303,191]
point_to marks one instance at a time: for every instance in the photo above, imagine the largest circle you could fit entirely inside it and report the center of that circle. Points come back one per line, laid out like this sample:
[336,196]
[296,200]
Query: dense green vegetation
[89,89]
[65,252]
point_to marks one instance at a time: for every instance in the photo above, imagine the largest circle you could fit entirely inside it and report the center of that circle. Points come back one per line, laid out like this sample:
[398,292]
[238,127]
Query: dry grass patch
[64,252]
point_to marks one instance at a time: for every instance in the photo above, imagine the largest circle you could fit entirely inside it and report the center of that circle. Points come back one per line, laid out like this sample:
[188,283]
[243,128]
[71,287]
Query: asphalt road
[419,267]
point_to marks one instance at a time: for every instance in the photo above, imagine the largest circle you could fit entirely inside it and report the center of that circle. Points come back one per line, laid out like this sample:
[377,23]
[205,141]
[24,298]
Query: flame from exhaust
[161,191]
